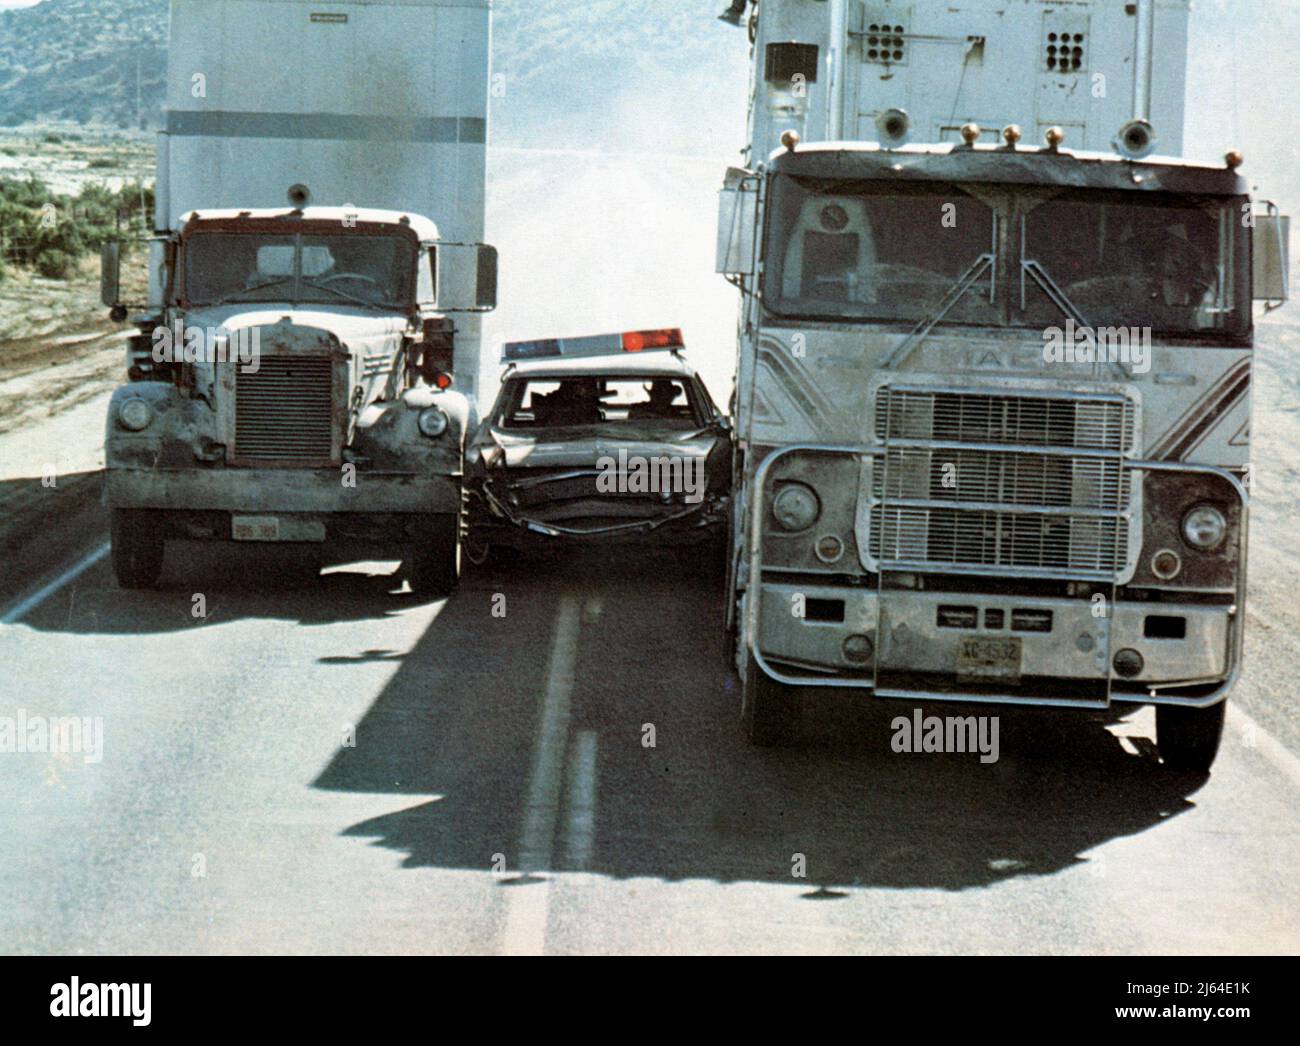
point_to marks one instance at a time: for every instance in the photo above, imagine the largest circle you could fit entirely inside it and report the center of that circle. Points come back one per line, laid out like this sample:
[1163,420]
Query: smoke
[606,217]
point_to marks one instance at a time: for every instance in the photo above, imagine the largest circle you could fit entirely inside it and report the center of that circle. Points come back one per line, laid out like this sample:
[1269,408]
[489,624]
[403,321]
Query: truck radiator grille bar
[1002,484]
[284,411]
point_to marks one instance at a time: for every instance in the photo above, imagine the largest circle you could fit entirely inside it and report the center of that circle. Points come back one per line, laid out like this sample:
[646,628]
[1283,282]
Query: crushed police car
[609,436]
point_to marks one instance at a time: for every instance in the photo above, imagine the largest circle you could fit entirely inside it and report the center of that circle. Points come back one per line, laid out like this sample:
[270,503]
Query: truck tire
[432,564]
[137,548]
[1188,738]
[770,711]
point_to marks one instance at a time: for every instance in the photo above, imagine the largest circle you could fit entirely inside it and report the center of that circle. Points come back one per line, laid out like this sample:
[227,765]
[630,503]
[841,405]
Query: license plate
[255,528]
[989,659]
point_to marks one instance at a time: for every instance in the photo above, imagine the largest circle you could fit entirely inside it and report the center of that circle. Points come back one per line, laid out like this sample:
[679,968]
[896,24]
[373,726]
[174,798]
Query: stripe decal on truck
[1204,414]
[440,130]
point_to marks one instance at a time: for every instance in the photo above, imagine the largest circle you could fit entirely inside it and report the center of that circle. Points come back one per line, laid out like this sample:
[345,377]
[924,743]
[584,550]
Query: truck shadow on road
[464,719]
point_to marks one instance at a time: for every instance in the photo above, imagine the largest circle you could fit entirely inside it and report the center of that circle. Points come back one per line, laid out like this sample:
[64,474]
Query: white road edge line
[528,904]
[29,603]
[1254,736]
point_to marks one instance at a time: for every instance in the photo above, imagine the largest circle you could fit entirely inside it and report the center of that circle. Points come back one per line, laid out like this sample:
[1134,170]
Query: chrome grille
[1002,483]
[284,411]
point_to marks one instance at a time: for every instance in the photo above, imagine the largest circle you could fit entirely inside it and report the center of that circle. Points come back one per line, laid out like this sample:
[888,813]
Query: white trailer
[320,200]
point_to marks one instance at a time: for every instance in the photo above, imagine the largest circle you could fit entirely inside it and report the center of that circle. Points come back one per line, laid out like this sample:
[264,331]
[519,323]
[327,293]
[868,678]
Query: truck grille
[1002,483]
[284,412]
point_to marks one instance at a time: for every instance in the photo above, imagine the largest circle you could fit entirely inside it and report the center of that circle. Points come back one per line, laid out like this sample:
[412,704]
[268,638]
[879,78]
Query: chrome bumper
[319,491]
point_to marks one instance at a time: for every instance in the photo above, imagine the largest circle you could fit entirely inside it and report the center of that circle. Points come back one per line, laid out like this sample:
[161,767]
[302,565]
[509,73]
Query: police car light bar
[669,339]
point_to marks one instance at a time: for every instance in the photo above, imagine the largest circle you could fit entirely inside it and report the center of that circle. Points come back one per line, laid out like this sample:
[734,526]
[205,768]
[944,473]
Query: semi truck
[993,378]
[306,365]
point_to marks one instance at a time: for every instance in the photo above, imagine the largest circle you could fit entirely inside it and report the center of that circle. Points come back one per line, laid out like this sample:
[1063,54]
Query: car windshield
[863,250]
[667,405]
[1172,263]
[368,270]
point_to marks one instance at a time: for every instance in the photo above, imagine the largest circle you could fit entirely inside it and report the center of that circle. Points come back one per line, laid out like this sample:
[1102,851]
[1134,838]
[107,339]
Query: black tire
[432,565]
[770,712]
[1188,738]
[137,548]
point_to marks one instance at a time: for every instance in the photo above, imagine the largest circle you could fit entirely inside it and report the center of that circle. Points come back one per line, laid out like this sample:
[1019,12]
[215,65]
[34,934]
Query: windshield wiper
[965,282]
[235,295]
[349,297]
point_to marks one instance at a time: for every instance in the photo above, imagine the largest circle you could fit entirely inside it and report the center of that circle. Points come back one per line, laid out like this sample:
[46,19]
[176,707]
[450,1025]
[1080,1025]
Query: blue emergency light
[668,339]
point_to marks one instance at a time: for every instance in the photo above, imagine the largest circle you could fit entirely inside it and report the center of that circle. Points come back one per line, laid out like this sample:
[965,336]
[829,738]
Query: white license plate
[989,659]
[255,528]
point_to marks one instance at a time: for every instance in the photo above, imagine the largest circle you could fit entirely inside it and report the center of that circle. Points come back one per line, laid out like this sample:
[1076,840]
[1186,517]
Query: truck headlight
[796,507]
[1204,527]
[135,415]
[432,422]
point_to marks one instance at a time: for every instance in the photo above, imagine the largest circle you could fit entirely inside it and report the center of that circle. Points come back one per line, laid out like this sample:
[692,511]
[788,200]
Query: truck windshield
[1171,263]
[366,270]
[862,250]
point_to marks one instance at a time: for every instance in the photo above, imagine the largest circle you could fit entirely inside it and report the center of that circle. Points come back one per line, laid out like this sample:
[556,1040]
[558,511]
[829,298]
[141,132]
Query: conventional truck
[306,364]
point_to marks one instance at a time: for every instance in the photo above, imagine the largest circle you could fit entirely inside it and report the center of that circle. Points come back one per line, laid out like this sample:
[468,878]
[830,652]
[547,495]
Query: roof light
[970,133]
[639,341]
[669,338]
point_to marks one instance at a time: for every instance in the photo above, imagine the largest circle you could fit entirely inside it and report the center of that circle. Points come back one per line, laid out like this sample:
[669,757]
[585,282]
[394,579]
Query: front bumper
[493,519]
[1065,644]
[280,491]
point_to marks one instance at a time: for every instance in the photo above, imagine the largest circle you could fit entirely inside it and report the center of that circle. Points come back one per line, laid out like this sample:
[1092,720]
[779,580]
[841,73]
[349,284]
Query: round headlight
[1204,527]
[796,507]
[432,422]
[135,414]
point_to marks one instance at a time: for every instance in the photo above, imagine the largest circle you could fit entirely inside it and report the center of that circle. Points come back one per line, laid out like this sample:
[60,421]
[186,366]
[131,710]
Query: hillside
[77,60]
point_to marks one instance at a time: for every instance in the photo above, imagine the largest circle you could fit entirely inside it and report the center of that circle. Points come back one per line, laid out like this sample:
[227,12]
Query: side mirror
[110,274]
[466,277]
[737,223]
[1271,259]
[486,295]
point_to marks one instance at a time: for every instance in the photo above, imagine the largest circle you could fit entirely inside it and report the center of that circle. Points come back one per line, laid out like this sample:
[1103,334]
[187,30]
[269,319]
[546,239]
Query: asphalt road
[326,765]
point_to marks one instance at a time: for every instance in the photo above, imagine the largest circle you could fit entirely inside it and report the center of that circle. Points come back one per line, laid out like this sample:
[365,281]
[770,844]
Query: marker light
[1234,159]
[790,139]
[1204,527]
[442,381]
[970,133]
[796,507]
[1054,137]
[1011,134]
[135,414]
[432,422]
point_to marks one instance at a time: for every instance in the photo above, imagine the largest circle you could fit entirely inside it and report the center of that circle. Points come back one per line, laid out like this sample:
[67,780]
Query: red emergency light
[638,341]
